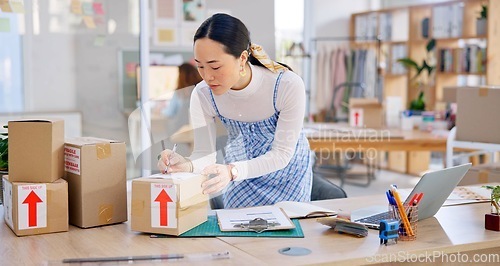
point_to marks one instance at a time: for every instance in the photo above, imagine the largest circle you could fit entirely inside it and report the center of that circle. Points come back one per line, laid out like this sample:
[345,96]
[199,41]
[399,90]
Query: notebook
[436,186]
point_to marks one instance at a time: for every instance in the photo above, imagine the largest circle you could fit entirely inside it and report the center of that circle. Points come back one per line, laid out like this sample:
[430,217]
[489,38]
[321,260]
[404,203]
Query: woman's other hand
[220,176]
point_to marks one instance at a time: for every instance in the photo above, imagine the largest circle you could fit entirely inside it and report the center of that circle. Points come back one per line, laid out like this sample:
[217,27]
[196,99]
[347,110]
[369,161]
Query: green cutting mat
[210,228]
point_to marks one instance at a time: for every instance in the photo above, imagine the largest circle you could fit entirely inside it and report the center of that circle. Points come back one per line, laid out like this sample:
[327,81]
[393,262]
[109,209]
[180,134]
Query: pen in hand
[170,158]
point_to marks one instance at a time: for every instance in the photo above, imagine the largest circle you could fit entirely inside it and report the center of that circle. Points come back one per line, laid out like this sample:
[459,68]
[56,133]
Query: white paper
[179,175]
[230,217]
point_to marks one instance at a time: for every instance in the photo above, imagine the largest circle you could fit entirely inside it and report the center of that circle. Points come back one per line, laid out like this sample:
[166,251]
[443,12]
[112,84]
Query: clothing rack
[313,46]
[340,167]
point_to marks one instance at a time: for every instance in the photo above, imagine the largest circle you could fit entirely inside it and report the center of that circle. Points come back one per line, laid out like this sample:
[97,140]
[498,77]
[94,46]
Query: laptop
[436,186]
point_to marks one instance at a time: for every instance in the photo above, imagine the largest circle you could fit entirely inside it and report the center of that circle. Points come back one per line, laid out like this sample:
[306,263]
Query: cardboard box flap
[82,141]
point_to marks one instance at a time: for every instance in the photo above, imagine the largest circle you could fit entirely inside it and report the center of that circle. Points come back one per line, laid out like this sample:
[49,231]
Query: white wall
[67,72]
[257,16]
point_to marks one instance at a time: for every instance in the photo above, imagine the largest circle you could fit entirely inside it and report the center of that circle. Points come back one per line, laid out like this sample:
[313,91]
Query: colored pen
[419,198]
[402,212]
[170,157]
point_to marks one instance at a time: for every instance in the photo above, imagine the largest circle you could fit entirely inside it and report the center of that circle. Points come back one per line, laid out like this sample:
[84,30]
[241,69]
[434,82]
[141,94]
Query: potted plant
[4,149]
[492,220]
[482,21]
[427,66]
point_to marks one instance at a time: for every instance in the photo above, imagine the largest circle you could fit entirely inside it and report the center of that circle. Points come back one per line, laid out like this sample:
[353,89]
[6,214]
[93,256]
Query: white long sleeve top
[251,104]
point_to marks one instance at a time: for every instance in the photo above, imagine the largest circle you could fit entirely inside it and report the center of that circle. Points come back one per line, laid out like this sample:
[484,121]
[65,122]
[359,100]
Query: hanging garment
[248,140]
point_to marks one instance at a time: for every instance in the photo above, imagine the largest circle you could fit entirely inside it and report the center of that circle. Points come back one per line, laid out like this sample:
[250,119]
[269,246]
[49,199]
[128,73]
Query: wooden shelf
[460,14]
[408,26]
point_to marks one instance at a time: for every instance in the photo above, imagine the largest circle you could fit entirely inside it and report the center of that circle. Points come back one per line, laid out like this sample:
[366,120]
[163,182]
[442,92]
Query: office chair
[322,189]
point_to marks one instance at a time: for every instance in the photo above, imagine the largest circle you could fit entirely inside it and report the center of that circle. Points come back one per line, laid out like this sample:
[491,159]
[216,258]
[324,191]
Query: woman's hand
[220,176]
[178,163]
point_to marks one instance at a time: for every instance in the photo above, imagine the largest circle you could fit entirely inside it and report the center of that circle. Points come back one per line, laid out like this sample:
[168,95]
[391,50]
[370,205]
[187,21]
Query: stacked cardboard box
[481,174]
[96,174]
[168,204]
[36,198]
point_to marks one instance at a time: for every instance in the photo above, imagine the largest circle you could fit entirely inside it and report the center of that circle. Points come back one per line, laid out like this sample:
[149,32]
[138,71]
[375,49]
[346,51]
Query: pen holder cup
[405,233]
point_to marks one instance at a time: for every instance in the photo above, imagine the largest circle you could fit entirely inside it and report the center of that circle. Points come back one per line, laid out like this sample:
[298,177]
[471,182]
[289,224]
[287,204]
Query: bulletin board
[128,60]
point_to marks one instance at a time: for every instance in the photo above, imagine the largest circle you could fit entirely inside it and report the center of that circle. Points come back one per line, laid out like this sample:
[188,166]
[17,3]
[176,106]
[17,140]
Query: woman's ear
[244,57]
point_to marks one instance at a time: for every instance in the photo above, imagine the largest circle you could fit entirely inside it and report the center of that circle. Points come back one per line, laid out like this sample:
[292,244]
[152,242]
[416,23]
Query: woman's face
[220,70]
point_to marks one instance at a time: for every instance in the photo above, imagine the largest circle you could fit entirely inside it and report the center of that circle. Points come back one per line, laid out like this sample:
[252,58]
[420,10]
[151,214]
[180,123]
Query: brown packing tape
[106,213]
[483,176]
[483,92]
[103,150]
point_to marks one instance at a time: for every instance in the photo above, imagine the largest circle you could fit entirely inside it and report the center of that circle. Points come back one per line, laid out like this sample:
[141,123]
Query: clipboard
[257,219]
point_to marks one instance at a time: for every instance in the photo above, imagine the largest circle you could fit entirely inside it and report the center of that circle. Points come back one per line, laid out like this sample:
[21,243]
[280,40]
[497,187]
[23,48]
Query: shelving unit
[453,25]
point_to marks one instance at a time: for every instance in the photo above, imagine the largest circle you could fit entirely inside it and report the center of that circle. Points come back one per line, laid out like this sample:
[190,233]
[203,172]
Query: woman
[188,77]
[262,106]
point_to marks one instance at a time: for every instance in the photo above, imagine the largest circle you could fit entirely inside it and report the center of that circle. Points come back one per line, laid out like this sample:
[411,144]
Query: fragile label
[72,160]
[163,206]
[32,206]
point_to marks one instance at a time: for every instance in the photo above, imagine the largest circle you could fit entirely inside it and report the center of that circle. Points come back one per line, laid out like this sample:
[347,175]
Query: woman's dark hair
[230,32]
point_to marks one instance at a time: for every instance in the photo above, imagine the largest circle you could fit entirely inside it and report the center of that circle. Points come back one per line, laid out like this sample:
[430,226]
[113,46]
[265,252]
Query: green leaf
[409,63]
[430,45]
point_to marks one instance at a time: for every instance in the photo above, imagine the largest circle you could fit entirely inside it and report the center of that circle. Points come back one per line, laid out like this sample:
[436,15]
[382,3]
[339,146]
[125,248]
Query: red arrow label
[32,199]
[163,199]
[356,115]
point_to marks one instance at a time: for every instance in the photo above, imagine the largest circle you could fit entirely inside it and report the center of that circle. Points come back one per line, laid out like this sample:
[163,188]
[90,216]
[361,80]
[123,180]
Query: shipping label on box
[72,160]
[97,180]
[168,204]
[356,118]
[36,208]
[32,206]
[36,150]
[163,205]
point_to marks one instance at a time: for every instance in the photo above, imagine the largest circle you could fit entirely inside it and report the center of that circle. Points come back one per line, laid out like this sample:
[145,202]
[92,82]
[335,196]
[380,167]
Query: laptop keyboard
[374,219]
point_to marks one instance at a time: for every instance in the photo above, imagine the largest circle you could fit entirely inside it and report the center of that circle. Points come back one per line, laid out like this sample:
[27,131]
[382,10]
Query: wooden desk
[107,241]
[339,137]
[454,229]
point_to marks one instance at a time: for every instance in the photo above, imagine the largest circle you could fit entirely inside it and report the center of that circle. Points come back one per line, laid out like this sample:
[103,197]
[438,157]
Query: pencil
[402,213]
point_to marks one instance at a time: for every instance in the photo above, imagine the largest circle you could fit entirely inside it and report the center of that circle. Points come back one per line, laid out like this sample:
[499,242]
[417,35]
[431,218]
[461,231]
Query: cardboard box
[477,108]
[450,94]
[36,208]
[168,204]
[365,112]
[97,180]
[36,150]
[481,174]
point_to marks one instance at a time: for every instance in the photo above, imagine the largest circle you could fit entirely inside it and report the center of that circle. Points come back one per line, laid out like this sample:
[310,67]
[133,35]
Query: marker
[170,157]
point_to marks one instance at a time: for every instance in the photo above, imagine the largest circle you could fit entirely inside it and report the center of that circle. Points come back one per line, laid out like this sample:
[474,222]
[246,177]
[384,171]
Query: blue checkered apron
[248,140]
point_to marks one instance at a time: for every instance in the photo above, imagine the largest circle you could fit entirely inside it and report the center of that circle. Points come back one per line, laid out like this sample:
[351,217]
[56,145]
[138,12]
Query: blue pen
[389,198]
